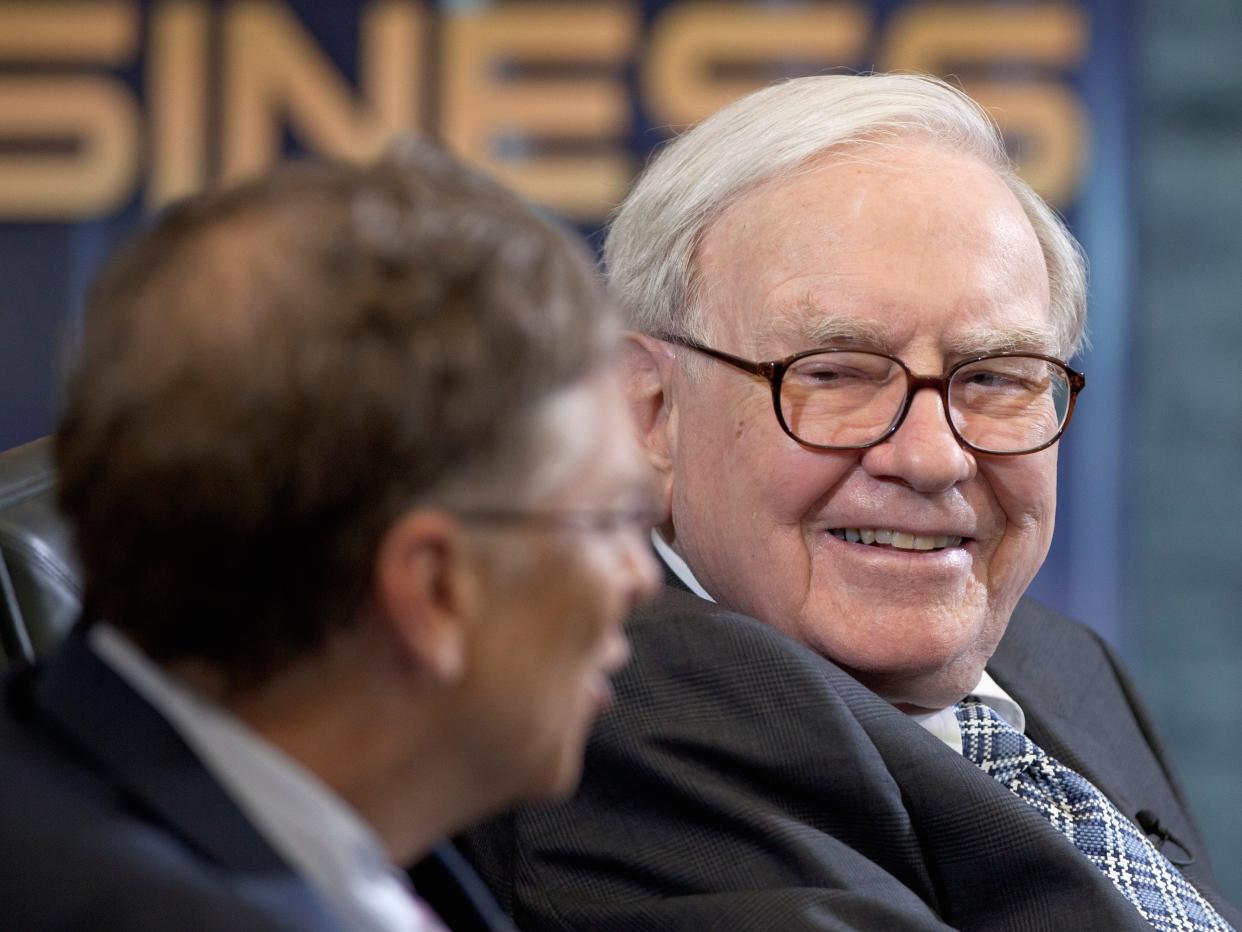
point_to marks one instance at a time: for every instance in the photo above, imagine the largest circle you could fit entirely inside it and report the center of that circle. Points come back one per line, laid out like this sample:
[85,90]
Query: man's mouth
[898,540]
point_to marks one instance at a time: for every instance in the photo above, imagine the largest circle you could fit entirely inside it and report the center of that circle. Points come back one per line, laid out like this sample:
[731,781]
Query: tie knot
[972,710]
[992,743]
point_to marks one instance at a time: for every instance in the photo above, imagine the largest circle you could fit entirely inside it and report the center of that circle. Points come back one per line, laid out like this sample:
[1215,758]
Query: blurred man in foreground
[360,514]
[852,321]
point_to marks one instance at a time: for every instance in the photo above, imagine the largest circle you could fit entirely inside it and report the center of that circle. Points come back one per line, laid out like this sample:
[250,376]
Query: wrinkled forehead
[808,323]
[870,248]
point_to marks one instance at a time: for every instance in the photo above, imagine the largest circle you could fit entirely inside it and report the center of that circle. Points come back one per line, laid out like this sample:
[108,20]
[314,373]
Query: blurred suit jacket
[744,782]
[109,821]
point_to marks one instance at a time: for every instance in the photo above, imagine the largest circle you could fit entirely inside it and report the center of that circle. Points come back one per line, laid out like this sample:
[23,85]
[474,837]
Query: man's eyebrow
[807,326]
[980,341]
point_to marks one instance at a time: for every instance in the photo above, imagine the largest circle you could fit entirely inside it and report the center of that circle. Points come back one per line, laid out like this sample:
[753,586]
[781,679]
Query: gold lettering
[275,74]
[1043,114]
[88,124]
[101,32]
[483,108]
[692,39]
[392,42]
[96,177]
[177,100]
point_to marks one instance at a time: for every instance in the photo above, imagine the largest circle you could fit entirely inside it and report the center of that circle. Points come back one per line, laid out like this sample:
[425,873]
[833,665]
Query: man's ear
[426,591]
[646,372]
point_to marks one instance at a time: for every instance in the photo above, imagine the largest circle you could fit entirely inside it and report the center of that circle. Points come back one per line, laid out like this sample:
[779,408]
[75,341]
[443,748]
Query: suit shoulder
[690,656]
[714,697]
[150,902]
[1038,631]
[81,853]
[70,843]
[1032,617]
[683,627]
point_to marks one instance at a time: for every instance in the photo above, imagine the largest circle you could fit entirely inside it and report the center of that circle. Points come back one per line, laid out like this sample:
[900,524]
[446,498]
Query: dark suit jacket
[744,782]
[109,821]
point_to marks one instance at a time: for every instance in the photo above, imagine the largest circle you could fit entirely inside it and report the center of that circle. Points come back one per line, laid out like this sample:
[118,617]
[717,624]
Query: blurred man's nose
[923,453]
[643,570]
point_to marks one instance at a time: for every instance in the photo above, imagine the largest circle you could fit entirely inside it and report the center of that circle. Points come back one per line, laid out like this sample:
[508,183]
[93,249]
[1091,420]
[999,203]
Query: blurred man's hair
[272,374]
[649,254]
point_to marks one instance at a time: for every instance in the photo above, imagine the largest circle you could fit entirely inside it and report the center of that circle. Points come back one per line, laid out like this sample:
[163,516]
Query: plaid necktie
[1082,814]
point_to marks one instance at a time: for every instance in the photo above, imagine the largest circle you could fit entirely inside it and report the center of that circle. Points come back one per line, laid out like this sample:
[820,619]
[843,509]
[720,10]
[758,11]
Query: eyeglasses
[1002,404]
[639,520]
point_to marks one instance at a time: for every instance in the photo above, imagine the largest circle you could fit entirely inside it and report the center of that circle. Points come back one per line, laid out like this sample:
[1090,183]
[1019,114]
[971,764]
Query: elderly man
[360,514]
[849,369]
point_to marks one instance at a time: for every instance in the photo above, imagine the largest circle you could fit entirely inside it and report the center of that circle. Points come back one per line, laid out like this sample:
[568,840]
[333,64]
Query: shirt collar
[672,559]
[944,725]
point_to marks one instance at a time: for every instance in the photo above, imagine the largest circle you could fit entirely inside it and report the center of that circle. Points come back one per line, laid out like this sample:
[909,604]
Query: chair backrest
[40,583]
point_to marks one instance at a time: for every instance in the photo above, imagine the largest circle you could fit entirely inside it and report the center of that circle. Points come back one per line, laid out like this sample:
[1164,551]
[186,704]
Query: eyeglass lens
[1005,404]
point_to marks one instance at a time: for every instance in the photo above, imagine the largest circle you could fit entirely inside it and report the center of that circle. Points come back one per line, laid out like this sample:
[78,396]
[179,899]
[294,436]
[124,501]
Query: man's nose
[923,453]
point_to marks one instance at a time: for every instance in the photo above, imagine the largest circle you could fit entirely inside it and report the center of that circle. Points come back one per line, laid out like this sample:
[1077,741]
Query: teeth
[899,540]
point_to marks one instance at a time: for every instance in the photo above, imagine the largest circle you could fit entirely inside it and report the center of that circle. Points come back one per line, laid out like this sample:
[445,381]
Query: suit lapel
[1080,709]
[995,862]
[1075,711]
[146,759]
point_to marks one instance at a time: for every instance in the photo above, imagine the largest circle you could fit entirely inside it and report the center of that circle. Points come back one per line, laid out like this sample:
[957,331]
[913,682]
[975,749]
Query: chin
[922,686]
[558,779]
[554,764]
[897,654]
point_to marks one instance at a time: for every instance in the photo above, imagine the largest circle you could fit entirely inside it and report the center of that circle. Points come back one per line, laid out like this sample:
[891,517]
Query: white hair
[649,253]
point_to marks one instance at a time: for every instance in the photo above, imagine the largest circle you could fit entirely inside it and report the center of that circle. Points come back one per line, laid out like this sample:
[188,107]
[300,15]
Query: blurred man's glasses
[1003,404]
[638,520]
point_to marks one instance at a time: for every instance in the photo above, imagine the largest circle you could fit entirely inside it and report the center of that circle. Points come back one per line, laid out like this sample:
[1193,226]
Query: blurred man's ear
[427,592]
[646,373]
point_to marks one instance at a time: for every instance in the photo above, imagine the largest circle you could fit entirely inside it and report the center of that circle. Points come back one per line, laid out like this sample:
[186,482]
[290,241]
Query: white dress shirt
[941,723]
[308,825]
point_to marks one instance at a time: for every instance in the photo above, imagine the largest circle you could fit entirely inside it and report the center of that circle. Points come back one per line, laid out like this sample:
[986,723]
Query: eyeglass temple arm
[765,370]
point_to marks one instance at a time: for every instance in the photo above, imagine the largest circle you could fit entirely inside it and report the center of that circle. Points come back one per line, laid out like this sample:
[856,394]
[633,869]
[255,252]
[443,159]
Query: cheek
[576,626]
[799,483]
[746,536]
[735,470]
[563,696]
[1025,490]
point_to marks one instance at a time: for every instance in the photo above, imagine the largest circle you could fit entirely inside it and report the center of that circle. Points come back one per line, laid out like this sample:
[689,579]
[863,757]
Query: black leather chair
[40,583]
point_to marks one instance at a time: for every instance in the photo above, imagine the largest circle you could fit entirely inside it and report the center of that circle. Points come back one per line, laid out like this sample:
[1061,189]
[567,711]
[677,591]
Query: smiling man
[851,321]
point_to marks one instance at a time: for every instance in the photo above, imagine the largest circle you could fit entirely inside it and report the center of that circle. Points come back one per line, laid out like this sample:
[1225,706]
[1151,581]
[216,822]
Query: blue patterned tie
[1082,814]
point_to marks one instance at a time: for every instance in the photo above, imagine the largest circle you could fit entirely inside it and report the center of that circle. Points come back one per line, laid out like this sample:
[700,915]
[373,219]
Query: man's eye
[826,375]
[821,375]
[990,380]
[641,518]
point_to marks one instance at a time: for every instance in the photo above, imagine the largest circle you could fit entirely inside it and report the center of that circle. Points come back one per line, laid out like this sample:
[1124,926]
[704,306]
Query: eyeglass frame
[581,520]
[774,372]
